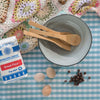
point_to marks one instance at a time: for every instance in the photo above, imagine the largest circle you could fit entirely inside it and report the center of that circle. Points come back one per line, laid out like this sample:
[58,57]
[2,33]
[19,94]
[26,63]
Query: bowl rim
[84,55]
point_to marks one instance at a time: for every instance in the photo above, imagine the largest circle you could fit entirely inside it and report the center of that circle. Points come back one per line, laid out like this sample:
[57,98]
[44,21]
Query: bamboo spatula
[72,39]
[46,28]
[58,42]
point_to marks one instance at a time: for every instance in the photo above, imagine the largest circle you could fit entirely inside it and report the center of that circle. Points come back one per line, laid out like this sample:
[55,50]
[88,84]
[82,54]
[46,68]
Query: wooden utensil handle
[41,27]
[59,36]
[35,35]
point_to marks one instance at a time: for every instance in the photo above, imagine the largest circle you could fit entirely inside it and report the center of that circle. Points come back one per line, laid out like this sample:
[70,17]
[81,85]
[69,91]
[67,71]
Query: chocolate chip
[70,81]
[89,77]
[78,74]
[83,80]
[65,81]
[80,81]
[73,79]
[75,76]
[75,83]
[68,71]
[84,73]
[81,74]
[78,70]
[81,77]
[78,77]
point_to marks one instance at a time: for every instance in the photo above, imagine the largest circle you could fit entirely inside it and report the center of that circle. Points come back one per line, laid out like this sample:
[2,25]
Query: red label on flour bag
[11,65]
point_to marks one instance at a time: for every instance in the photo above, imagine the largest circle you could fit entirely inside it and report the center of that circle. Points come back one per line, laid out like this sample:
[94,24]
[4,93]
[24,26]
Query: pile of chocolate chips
[78,78]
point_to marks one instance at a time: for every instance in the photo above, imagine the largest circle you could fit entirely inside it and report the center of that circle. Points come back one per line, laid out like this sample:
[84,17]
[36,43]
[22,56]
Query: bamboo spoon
[55,41]
[46,28]
[72,39]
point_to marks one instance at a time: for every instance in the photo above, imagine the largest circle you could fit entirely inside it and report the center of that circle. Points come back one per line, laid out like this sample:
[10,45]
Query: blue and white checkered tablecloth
[29,89]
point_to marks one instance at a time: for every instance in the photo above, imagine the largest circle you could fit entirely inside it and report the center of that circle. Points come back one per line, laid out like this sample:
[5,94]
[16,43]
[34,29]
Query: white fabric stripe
[43,70]
[54,95]
[58,80]
[53,85]
[53,90]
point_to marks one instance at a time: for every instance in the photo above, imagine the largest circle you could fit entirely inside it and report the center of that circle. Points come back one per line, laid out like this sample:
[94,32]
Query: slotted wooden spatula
[46,28]
[72,39]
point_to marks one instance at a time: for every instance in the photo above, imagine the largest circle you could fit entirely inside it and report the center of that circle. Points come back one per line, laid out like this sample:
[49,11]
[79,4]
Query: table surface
[29,89]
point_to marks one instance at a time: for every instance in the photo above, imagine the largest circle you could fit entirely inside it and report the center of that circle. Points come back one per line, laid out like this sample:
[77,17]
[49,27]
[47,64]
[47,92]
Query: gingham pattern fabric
[29,89]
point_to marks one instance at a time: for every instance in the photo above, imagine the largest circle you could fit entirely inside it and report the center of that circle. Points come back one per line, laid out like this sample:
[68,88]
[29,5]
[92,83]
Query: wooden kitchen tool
[72,39]
[46,28]
[58,42]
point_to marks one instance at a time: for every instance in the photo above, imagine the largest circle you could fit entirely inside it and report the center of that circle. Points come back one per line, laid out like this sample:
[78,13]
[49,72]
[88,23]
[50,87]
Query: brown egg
[46,90]
[50,72]
[39,77]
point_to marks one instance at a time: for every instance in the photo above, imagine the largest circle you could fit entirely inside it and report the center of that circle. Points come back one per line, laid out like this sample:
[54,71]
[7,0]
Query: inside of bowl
[67,23]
